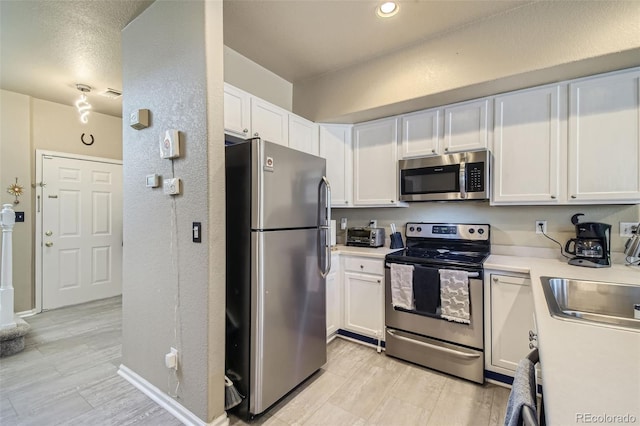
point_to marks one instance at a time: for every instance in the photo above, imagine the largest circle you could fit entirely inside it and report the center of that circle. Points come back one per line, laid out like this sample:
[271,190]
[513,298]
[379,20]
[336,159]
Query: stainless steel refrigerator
[278,242]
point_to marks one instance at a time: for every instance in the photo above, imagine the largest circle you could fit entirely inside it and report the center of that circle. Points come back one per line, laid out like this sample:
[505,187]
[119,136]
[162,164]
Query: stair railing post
[7,220]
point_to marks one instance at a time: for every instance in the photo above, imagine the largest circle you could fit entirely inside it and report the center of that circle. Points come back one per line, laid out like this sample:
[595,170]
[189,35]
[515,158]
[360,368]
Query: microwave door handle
[463,179]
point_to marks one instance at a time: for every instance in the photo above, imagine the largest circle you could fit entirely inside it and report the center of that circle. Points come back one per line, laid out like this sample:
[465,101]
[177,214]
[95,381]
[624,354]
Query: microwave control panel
[475,177]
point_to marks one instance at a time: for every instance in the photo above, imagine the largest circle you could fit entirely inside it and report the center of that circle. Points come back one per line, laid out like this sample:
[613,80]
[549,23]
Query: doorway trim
[40,153]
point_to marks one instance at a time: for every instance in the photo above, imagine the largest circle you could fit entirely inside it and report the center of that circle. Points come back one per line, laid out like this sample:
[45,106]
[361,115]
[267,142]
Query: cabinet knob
[361,267]
[495,279]
[48,233]
[256,134]
[553,197]
[378,281]
[446,149]
[573,196]
[245,131]
[433,151]
[391,201]
[346,202]
[48,244]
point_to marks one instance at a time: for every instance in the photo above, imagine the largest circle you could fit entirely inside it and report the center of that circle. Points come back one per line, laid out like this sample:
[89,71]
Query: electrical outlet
[541,224]
[627,228]
[171,359]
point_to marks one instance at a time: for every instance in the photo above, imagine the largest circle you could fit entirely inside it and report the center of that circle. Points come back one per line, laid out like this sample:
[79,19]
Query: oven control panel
[453,231]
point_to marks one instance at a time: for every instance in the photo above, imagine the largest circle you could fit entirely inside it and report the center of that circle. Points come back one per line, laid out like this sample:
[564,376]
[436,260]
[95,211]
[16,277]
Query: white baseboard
[25,314]
[171,405]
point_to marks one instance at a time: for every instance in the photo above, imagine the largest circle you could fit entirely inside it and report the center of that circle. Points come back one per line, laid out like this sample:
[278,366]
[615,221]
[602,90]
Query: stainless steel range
[434,298]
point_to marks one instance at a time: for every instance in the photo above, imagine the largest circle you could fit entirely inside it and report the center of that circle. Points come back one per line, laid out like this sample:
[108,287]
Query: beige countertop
[588,371]
[377,252]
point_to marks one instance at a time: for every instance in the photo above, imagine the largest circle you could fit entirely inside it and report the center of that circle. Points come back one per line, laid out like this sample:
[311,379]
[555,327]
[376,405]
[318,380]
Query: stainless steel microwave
[459,176]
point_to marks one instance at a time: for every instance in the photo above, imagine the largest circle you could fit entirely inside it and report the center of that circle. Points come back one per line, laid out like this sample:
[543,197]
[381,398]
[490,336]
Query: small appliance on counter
[592,245]
[365,237]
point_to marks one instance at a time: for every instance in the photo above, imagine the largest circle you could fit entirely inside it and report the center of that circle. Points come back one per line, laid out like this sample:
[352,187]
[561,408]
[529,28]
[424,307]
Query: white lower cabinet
[508,320]
[363,282]
[334,297]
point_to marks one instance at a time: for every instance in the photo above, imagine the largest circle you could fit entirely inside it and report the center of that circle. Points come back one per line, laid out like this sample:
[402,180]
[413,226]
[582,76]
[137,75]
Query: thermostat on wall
[139,119]
[171,186]
[153,181]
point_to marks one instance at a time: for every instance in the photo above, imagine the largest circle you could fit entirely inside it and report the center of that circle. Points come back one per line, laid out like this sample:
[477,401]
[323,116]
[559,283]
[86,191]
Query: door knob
[48,244]
[48,233]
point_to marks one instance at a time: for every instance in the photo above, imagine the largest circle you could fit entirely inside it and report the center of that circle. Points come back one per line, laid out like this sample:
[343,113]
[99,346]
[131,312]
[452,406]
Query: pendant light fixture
[82,104]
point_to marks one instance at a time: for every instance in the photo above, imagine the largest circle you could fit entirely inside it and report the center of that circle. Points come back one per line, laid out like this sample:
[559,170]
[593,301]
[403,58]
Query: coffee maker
[592,245]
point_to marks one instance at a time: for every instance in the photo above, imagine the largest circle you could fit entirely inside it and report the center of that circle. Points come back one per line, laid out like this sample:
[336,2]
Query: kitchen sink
[604,303]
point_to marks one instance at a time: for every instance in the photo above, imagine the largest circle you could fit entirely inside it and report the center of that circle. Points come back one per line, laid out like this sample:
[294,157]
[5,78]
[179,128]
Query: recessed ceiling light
[387,9]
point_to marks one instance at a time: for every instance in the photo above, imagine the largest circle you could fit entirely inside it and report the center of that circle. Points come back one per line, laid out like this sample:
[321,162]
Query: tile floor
[360,387]
[67,375]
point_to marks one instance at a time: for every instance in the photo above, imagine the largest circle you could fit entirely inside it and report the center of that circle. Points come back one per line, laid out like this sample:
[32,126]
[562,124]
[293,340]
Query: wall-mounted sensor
[170,144]
[139,119]
[171,186]
[153,181]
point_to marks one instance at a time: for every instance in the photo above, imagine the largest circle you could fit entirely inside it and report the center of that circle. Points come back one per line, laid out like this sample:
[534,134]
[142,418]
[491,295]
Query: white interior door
[81,231]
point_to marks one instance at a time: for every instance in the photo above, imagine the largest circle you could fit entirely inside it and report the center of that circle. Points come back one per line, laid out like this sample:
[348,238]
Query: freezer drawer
[453,359]
[289,339]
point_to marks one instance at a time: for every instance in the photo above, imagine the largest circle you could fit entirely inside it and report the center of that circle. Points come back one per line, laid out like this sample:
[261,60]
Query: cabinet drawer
[364,265]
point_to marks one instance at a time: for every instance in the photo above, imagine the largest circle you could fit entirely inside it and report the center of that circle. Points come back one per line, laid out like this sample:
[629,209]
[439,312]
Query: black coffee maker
[592,245]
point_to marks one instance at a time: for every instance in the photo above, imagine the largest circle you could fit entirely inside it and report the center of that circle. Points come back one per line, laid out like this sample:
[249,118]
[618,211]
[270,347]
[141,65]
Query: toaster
[365,237]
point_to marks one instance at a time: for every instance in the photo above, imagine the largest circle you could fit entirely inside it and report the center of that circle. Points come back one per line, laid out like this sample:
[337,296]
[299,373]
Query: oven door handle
[470,274]
[430,346]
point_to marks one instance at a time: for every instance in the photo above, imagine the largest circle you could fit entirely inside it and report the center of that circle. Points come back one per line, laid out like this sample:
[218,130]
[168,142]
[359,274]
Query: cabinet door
[604,138]
[511,319]
[303,135]
[363,304]
[334,297]
[465,126]
[375,164]
[421,132]
[237,115]
[335,147]
[269,122]
[526,147]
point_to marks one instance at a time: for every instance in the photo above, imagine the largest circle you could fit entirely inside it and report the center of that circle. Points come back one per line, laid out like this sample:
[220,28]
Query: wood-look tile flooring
[67,375]
[359,387]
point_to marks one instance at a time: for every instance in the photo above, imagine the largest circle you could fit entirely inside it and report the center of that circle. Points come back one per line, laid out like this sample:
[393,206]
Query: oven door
[471,335]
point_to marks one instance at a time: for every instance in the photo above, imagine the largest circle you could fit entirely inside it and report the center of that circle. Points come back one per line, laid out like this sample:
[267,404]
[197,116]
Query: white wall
[243,73]
[534,44]
[28,124]
[510,225]
[174,289]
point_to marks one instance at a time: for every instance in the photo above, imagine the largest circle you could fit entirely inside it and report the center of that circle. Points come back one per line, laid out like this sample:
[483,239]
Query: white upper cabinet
[375,165]
[465,126]
[237,111]
[604,139]
[421,133]
[526,147]
[303,135]
[269,122]
[335,147]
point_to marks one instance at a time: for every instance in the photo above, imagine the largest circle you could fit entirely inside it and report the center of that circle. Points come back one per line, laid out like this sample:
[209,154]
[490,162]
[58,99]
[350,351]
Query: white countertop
[376,252]
[587,370]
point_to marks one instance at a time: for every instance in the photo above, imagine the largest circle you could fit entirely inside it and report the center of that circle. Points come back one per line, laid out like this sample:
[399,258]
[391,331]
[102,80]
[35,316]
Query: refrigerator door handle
[324,226]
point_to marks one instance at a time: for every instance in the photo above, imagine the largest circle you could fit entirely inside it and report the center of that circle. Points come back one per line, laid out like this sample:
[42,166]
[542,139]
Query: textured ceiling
[47,46]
